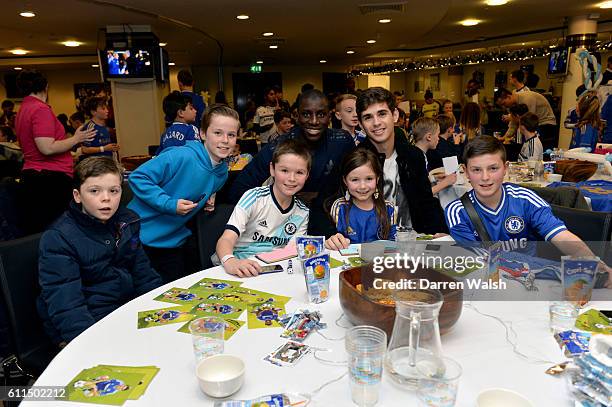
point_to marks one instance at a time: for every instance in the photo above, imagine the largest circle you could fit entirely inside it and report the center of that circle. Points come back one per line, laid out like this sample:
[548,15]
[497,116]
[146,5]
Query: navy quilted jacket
[87,269]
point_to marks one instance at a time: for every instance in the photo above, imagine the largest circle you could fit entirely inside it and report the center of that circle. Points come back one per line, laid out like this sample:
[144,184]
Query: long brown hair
[588,110]
[470,120]
[356,159]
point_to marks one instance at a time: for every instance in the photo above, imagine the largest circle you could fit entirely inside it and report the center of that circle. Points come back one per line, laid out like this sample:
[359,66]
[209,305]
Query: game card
[215,284]
[288,354]
[265,315]
[164,316]
[231,327]
[224,309]
[177,295]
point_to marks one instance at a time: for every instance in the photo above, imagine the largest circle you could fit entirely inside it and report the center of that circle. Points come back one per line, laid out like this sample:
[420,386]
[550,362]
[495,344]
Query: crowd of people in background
[354,167]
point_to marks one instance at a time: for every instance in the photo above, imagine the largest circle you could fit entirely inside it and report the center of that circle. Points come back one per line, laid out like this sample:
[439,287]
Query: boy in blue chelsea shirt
[178,108]
[97,107]
[511,214]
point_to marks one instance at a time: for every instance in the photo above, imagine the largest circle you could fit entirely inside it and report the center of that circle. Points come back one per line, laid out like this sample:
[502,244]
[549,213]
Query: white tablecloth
[476,342]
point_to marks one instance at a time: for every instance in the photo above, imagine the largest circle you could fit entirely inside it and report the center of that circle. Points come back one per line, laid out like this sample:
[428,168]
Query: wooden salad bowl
[360,309]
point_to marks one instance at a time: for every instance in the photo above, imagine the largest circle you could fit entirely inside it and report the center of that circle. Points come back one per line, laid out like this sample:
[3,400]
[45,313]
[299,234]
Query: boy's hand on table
[184,206]
[242,268]
[337,242]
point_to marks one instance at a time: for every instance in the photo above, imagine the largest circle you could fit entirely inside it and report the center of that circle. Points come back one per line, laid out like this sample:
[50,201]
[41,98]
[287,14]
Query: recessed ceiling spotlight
[522,43]
[551,46]
[350,51]
[496,2]
[95,65]
[469,22]
[163,44]
[322,61]
[18,68]
[605,4]
[171,63]
[242,17]
[18,51]
[72,43]
[260,62]
[273,46]
[27,14]
[371,41]
[384,20]
[268,34]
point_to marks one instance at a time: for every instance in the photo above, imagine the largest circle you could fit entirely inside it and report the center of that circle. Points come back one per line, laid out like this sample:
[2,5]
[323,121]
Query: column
[582,33]
[139,118]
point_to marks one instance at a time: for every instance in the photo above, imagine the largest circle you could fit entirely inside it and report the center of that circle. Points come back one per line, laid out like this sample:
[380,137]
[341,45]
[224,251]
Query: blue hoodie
[177,173]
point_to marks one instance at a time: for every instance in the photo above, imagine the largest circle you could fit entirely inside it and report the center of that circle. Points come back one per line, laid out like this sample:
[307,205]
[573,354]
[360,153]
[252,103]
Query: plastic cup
[207,336]
[562,315]
[438,382]
[365,346]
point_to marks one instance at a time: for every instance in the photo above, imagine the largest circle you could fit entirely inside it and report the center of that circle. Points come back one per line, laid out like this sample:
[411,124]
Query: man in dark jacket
[91,259]
[406,181]
[327,147]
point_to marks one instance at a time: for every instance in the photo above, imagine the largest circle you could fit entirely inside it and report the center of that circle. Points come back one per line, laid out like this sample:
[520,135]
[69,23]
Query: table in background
[476,342]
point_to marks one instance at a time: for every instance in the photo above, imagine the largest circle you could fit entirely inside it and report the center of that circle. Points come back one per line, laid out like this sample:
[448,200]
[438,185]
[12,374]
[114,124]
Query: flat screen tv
[128,63]
[558,61]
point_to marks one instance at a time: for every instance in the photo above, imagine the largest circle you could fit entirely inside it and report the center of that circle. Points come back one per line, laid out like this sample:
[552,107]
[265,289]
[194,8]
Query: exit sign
[255,68]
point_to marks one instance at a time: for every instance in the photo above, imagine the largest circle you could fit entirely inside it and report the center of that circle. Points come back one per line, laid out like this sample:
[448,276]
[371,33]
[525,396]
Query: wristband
[101,149]
[227,257]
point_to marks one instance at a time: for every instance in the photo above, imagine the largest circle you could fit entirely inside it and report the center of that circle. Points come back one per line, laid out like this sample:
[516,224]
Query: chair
[594,228]
[209,228]
[152,149]
[19,287]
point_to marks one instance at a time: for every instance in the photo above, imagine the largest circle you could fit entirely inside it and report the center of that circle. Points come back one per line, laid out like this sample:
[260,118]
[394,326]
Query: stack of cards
[108,384]
[300,324]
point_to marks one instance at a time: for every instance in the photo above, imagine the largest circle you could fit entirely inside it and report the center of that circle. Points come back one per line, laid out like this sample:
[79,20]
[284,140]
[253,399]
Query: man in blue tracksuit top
[327,147]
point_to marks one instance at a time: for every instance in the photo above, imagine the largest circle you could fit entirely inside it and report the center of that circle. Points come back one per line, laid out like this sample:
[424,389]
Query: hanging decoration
[591,78]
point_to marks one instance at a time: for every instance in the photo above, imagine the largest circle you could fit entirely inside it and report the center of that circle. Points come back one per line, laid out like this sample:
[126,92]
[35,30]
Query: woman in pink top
[47,170]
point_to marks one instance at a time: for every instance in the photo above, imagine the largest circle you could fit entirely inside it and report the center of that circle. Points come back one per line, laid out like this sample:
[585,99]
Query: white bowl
[554,177]
[220,375]
[501,398]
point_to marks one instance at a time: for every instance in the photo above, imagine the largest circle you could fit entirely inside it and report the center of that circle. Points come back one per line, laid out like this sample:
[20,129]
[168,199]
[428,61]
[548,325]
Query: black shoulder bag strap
[476,221]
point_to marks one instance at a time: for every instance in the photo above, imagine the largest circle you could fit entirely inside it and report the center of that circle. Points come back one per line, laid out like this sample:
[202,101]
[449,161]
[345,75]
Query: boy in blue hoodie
[171,188]
[91,259]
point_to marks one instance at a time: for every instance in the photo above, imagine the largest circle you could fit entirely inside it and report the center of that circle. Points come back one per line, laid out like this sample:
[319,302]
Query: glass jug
[416,335]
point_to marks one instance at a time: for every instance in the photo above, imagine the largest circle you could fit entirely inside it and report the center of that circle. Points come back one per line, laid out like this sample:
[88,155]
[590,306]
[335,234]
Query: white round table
[476,342]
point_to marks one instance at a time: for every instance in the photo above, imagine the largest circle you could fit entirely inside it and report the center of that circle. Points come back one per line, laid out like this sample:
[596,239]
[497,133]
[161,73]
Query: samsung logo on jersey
[514,224]
[275,240]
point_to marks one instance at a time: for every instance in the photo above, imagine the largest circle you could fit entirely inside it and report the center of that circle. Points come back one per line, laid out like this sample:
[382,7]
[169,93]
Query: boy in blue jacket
[171,188]
[91,259]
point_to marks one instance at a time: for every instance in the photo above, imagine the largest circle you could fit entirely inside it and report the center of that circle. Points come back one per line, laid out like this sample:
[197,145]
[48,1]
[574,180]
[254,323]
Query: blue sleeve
[147,179]
[59,275]
[458,222]
[341,220]
[542,220]
[253,175]
[575,138]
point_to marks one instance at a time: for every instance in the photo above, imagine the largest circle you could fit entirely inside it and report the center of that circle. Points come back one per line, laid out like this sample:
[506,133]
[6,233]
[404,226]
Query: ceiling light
[171,63]
[322,61]
[242,17]
[18,51]
[551,46]
[522,43]
[27,14]
[273,46]
[469,22]
[147,63]
[371,41]
[605,4]
[18,68]
[95,65]
[260,62]
[71,43]
[496,2]
[350,51]
[163,44]
[384,20]
[267,34]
